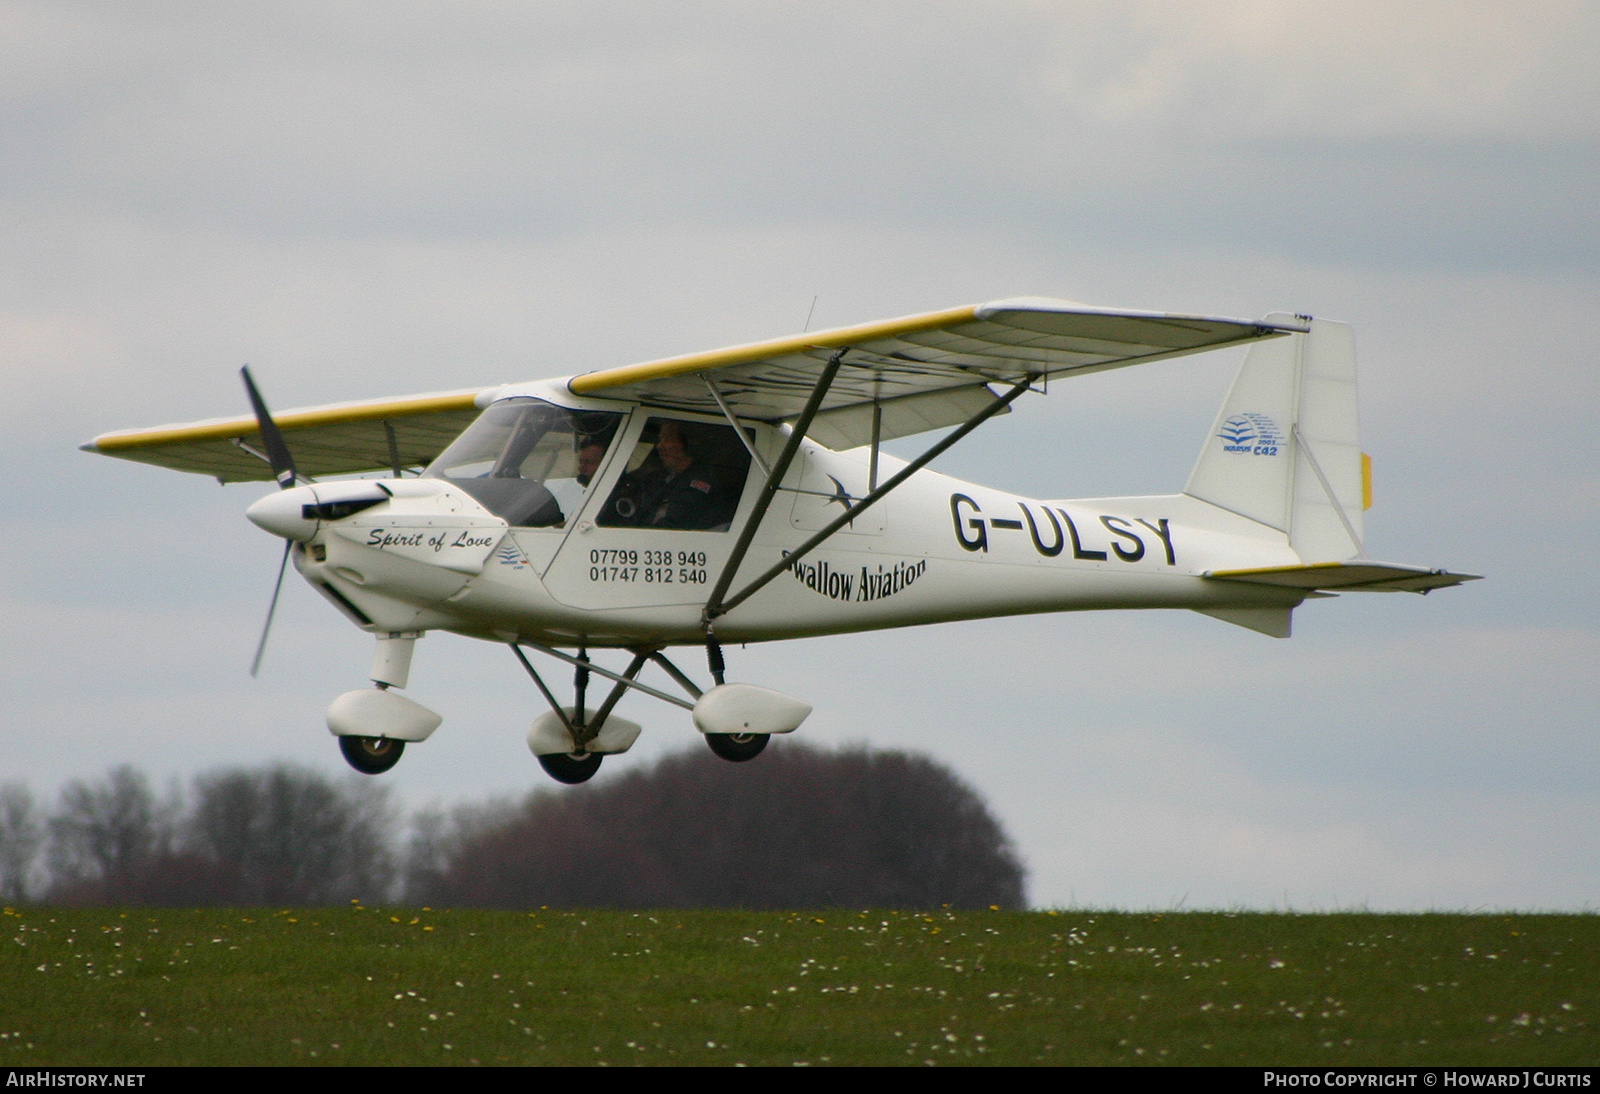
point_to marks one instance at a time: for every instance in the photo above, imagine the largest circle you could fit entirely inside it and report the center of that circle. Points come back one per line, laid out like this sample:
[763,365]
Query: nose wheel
[371,755]
[737,747]
[570,767]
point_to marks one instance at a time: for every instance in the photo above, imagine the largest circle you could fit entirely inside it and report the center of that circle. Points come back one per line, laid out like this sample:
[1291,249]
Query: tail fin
[1286,447]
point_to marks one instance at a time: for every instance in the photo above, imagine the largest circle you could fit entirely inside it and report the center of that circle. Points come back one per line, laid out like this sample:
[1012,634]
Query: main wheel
[570,767]
[371,755]
[737,747]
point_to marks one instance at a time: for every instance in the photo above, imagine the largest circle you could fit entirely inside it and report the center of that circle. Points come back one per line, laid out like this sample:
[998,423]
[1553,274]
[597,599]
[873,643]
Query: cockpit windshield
[529,461]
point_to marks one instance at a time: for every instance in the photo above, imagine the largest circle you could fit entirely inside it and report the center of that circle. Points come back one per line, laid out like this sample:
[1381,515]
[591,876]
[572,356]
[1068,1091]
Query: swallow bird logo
[840,495]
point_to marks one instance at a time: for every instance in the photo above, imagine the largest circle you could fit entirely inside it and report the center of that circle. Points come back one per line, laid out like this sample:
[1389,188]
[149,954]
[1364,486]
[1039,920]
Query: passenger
[674,493]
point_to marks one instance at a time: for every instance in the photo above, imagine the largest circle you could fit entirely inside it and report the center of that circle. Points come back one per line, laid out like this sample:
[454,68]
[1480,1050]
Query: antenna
[809,314]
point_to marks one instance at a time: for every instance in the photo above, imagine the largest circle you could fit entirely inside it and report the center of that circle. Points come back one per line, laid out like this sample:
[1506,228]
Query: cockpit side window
[529,461]
[681,475]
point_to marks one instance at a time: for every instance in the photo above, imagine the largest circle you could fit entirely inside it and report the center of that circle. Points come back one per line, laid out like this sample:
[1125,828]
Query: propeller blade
[272,609]
[277,452]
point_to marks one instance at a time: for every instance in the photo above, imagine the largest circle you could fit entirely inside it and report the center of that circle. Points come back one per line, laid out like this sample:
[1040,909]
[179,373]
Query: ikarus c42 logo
[1253,434]
[511,555]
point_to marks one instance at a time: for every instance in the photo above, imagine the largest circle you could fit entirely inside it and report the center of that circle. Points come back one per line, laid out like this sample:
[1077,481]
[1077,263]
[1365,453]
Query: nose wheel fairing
[379,713]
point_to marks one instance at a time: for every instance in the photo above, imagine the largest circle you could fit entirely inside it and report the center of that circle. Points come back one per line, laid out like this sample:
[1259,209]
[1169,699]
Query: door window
[685,476]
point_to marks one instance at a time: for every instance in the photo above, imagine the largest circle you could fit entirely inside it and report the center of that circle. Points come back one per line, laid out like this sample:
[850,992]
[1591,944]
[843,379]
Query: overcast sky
[363,199]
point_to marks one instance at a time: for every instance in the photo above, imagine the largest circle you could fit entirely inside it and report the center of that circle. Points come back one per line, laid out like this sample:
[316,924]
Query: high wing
[916,373]
[923,371]
[338,439]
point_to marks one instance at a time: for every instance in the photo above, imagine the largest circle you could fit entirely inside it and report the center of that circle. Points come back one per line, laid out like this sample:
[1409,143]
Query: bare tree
[437,838]
[289,835]
[104,835]
[21,836]
[798,827]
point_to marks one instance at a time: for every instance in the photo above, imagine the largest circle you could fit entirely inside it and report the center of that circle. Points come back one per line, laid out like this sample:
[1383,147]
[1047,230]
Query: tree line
[797,827]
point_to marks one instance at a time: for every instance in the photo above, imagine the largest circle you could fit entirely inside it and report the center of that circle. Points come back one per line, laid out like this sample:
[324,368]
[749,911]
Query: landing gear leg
[586,735]
[374,724]
[714,657]
[733,747]
[580,689]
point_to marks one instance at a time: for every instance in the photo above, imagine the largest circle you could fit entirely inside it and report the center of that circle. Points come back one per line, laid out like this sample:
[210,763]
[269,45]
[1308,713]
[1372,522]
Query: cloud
[364,199]
[1364,71]
[1374,134]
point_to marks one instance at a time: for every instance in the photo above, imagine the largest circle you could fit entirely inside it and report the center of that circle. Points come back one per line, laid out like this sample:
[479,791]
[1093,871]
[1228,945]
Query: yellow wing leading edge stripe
[228,428]
[669,367]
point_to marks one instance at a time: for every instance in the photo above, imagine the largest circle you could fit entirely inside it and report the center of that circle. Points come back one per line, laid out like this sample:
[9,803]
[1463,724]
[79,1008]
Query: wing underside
[330,440]
[926,370]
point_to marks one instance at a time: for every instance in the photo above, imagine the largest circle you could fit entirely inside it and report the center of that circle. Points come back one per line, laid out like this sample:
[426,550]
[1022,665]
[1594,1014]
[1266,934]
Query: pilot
[675,493]
[590,453]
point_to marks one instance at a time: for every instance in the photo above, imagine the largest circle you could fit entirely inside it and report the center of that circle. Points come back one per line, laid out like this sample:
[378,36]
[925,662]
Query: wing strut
[394,447]
[738,430]
[716,607]
[877,437]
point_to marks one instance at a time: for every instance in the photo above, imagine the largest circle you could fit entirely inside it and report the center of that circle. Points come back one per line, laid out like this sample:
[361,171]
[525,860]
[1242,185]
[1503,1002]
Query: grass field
[364,985]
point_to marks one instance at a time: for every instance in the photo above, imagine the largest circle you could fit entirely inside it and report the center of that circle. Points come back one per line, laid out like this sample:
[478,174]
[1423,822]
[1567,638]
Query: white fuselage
[934,549]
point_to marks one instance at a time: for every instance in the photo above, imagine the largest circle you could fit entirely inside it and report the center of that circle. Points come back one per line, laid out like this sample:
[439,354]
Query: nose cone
[282,514]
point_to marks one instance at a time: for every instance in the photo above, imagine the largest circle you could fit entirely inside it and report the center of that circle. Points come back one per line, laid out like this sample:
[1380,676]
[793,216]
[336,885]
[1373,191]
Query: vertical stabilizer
[1286,448]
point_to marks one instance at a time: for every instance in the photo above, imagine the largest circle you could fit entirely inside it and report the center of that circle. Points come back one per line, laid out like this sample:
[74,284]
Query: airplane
[742,495]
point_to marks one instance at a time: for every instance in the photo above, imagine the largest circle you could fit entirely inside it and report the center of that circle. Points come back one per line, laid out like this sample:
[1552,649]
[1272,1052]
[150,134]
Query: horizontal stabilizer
[1355,577]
